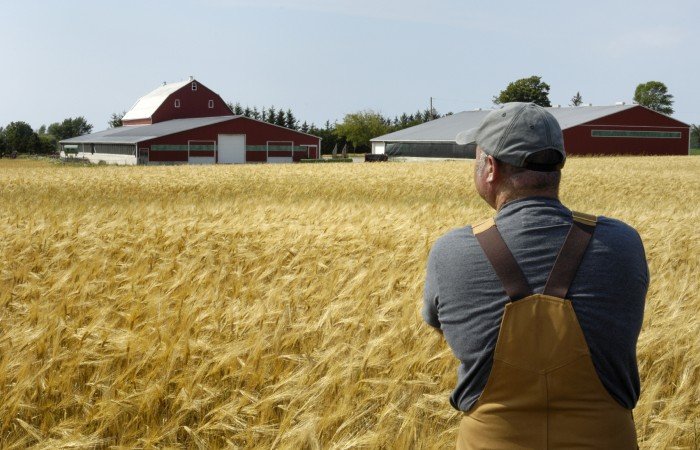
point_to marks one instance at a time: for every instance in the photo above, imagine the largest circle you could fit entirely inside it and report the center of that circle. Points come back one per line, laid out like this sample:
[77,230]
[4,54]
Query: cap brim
[466,137]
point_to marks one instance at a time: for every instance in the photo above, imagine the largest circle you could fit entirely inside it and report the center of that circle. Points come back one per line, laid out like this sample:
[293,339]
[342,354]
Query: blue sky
[324,59]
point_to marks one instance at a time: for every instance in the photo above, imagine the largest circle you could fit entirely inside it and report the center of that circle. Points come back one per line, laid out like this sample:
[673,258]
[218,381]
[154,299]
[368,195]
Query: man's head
[520,153]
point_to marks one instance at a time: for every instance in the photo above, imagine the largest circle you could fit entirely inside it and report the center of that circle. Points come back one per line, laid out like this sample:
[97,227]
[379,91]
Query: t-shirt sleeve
[431,293]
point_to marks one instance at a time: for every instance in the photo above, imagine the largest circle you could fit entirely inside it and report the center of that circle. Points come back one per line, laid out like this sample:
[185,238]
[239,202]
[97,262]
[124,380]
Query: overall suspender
[565,266]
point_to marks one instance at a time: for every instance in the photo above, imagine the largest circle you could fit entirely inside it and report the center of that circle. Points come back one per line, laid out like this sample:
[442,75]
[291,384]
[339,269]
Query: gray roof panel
[133,134]
[446,129]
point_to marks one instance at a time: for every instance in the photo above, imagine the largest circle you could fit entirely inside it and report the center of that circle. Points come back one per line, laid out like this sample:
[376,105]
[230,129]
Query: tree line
[353,132]
[19,136]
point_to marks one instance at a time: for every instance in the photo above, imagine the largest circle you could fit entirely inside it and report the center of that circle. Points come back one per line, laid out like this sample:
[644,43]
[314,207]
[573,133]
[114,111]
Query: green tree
[576,100]
[20,138]
[280,118]
[47,144]
[115,120]
[70,128]
[358,128]
[329,138]
[3,147]
[290,121]
[531,89]
[237,109]
[654,95]
[271,114]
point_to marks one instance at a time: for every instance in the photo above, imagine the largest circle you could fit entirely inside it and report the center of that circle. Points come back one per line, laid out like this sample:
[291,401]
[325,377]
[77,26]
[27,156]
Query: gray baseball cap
[516,132]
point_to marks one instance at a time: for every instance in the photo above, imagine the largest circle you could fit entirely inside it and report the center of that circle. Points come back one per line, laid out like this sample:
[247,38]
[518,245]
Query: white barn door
[231,148]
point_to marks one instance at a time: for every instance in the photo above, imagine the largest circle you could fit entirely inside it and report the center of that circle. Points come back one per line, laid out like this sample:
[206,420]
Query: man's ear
[492,169]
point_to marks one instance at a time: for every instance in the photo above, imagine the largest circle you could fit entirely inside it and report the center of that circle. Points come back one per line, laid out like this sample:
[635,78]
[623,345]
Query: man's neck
[506,197]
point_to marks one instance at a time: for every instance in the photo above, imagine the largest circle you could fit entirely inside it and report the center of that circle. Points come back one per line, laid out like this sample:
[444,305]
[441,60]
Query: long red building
[588,130]
[187,123]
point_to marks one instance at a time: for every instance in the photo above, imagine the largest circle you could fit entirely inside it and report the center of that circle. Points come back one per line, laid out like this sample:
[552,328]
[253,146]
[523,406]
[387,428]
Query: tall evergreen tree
[271,114]
[290,121]
[576,100]
[280,118]
[115,120]
[304,127]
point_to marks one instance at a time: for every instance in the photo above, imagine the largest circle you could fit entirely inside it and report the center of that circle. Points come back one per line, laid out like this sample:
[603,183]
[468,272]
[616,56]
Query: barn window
[211,103]
[177,102]
[636,134]
[194,85]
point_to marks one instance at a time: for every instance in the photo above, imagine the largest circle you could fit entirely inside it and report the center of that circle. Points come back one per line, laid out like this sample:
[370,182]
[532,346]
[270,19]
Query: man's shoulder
[615,242]
[454,237]
[615,229]
[456,245]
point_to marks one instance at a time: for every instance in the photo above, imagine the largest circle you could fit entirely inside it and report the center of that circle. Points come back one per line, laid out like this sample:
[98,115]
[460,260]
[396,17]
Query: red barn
[588,130]
[179,100]
[185,122]
[621,130]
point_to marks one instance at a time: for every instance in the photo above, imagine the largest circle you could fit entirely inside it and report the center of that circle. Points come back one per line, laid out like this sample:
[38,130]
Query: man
[547,351]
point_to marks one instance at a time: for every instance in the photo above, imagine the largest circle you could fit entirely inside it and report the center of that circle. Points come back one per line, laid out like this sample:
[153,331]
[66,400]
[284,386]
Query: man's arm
[431,293]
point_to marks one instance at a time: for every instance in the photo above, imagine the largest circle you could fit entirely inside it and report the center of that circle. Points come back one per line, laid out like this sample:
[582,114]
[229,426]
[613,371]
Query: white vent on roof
[557,106]
[619,103]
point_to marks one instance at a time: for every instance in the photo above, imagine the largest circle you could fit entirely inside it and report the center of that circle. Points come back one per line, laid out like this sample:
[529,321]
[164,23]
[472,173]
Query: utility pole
[431,108]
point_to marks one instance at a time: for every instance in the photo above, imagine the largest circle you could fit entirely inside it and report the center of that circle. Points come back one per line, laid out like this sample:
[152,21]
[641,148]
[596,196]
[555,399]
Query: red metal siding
[192,104]
[255,157]
[256,132]
[578,139]
[169,156]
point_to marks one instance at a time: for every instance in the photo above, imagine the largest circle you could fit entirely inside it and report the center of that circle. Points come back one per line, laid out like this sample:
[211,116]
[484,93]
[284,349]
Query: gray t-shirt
[465,299]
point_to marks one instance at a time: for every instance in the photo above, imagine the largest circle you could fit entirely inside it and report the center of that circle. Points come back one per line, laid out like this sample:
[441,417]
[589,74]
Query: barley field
[278,306]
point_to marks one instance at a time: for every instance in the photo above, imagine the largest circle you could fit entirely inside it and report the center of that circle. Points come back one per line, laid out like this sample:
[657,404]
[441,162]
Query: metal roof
[132,134]
[446,129]
[149,103]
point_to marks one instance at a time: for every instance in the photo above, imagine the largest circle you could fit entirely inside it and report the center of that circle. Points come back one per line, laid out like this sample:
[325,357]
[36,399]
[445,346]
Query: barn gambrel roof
[446,129]
[149,103]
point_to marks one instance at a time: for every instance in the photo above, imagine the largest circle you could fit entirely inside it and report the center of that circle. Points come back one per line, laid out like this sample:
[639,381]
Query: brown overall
[543,391]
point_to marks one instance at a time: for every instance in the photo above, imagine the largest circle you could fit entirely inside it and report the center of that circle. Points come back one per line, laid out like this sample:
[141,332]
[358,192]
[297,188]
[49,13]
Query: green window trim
[637,134]
[249,148]
[274,148]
